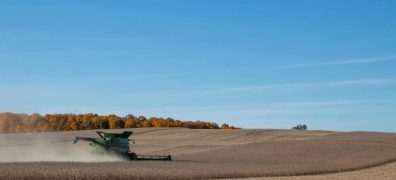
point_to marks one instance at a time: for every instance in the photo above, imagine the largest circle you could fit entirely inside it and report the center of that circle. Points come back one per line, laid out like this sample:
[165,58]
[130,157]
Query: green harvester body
[118,144]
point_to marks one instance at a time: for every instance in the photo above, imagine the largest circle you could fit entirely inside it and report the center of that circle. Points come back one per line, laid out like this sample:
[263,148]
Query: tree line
[21,123]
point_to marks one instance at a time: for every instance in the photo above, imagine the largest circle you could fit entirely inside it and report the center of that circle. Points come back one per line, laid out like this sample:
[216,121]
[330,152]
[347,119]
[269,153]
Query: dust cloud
[55,147]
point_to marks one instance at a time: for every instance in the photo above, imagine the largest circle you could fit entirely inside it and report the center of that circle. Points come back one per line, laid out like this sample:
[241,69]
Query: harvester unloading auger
[118,143]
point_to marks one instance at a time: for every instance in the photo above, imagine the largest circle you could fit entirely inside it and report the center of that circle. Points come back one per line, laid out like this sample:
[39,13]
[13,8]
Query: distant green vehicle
[117,143]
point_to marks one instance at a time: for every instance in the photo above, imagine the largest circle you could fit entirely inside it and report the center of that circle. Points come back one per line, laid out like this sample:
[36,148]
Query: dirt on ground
[203,154]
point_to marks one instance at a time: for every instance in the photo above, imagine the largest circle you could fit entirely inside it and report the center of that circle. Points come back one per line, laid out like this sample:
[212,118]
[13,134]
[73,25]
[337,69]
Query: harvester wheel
[132,156]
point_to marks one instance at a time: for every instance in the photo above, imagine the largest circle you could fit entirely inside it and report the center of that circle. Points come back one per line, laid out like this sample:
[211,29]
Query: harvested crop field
[198,153]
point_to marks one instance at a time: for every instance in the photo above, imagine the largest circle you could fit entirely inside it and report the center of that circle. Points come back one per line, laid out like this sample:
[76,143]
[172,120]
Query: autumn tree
[116,122]
[225,126]
[19,123]
[130,121]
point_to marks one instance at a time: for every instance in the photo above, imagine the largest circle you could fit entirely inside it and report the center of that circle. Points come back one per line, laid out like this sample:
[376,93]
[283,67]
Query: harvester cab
[118,143]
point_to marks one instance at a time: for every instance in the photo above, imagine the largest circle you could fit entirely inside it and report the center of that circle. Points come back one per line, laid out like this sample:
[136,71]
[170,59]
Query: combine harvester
[118,143]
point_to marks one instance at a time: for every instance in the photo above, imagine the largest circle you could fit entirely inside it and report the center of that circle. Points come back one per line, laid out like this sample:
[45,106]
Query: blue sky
[253,64]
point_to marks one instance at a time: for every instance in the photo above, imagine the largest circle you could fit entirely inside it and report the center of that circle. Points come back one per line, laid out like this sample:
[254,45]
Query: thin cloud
[352,61]
[269,105]
[362,82]
[285,110]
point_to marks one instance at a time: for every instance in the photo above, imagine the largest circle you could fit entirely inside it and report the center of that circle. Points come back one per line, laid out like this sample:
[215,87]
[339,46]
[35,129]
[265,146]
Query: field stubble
[197,154]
